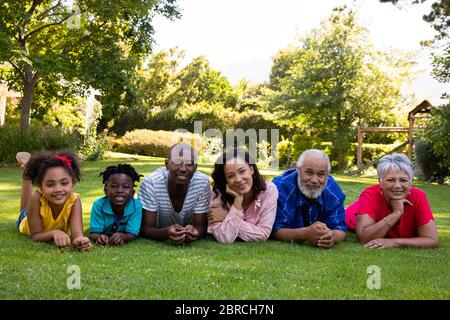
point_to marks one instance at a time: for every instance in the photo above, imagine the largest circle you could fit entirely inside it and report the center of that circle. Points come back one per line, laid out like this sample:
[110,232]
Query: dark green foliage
[100,49]
[38,138]
[438,131]
[433,149]
[434,167]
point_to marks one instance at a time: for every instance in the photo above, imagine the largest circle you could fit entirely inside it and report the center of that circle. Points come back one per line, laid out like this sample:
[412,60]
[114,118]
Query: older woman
[243,204]
[393,213]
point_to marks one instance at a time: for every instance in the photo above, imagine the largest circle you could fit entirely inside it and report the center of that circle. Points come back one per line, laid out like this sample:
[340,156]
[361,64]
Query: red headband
[66,160]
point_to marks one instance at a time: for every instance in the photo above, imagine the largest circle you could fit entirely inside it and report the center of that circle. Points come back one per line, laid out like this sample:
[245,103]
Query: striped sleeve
[147,195]
[202,203]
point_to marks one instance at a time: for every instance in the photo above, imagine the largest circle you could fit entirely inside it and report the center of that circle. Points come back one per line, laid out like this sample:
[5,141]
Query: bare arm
[76,225]
[427,238]
[175,233]
[76,220]
[200,223]
[37,232]
[367,229]
[148,227]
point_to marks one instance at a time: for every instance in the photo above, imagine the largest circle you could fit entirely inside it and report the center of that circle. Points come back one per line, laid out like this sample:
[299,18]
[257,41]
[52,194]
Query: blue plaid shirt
[294,210]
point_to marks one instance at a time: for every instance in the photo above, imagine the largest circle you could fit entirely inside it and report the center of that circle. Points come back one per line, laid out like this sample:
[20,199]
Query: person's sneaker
[22,158]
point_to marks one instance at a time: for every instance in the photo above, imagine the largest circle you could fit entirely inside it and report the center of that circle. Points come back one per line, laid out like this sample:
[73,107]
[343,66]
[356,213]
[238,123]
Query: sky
[240,37]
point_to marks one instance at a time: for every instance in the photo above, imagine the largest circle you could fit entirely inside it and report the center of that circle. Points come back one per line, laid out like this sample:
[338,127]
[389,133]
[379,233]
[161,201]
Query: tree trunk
[26,106]
[341,158]
[29,82]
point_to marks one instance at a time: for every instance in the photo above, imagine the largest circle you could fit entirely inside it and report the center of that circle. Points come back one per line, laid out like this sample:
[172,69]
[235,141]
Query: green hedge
[151,143]
[38,138]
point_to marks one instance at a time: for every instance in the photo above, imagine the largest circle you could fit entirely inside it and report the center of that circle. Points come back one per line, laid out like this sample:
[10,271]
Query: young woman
[243,204]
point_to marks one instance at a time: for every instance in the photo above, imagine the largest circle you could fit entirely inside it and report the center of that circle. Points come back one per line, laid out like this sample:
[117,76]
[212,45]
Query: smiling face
[57,186]
[239,175]
[181,165]
[312,176]
[395,185]
[119,189]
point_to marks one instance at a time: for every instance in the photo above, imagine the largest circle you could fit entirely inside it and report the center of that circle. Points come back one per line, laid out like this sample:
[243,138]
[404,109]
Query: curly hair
[220,181]
[40,162]
[121,168]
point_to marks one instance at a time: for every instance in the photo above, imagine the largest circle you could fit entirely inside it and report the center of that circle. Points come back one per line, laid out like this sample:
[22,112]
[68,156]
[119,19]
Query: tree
[199,82]
[159,78]
[437,134]
[334,80]
[94,43]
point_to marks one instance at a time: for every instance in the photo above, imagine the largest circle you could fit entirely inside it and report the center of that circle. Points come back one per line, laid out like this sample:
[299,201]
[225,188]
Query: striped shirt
[154,196]
[294,210]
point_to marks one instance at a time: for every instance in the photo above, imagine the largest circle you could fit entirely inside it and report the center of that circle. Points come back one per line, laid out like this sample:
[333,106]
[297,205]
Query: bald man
[175,198]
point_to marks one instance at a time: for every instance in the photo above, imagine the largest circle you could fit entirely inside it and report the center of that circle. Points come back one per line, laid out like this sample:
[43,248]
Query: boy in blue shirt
[116,217]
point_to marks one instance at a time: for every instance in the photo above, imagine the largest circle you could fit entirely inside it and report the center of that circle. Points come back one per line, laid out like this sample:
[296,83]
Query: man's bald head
[182,152]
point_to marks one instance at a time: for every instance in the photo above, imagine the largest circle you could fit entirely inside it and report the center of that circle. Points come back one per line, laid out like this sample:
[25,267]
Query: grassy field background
[208,270]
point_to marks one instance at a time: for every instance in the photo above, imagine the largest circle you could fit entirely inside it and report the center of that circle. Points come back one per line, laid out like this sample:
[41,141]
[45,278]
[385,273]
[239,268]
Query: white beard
[310,194]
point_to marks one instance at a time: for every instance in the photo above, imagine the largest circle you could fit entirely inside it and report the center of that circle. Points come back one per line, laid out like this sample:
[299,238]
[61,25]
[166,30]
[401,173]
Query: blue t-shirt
[294,210]
[103,217]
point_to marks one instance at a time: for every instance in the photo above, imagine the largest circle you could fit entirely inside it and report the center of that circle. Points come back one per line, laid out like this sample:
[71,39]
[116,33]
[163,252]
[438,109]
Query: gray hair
[318,154]
[397,162]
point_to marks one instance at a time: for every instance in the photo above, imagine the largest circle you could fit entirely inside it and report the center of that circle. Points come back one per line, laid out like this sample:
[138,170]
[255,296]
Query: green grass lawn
[208,270]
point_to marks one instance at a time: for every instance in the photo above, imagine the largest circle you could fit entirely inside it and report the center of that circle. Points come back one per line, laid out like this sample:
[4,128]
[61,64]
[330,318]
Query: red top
[372,202]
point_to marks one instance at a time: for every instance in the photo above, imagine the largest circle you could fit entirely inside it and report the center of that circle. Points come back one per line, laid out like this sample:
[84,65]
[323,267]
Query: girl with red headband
[54,210]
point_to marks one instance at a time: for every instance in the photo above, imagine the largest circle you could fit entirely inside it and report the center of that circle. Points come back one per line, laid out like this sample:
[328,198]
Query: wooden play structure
[419,112]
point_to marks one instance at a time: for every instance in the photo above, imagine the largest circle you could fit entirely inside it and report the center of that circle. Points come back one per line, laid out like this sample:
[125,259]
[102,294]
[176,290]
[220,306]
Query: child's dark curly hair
[40,162]
[121,168]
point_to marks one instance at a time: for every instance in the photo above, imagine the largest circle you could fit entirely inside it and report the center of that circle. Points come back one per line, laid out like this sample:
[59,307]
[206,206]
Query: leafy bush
[214,116]
[152,143]
[130,119]
[284,153]
[437,132]
[435,167]
[94,146]
[38,138]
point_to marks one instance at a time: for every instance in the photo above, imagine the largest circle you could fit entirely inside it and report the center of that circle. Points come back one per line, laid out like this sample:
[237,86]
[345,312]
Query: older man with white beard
[310,203]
